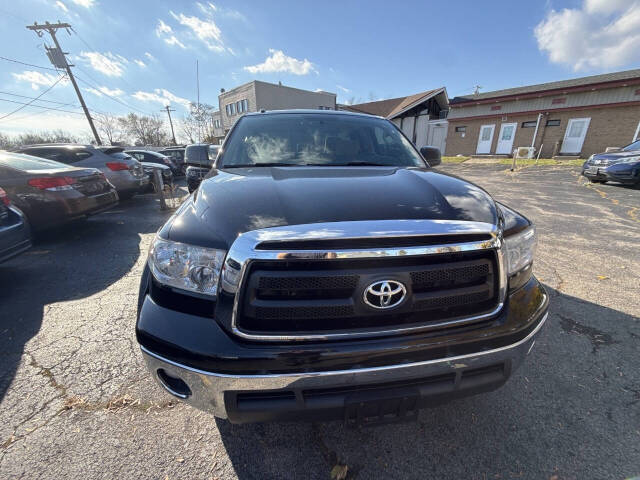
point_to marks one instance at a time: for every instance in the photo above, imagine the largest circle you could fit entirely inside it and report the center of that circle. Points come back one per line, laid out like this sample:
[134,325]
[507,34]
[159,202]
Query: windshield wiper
[362,164]
[271,164]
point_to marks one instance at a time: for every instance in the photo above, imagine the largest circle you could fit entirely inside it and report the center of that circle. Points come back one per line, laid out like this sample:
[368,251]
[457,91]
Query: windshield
[634,146]
[318,139]
[27,162]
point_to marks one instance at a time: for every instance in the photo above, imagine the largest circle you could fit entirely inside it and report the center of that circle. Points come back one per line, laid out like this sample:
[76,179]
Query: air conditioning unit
[524,152]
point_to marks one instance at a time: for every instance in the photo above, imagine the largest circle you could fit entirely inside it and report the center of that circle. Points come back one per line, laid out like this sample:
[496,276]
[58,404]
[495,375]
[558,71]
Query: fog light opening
[174,385]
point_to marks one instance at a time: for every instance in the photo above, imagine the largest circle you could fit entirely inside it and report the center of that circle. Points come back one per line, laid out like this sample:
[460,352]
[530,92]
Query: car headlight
[187,267]
[630,160]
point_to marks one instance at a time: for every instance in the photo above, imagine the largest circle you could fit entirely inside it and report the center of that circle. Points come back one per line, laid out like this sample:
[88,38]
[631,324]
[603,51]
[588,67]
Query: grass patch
[454,159]
[541,161]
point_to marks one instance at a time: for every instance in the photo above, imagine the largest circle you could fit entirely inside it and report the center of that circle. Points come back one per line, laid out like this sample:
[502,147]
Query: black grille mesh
[452,300]
[450,275]
[308,283]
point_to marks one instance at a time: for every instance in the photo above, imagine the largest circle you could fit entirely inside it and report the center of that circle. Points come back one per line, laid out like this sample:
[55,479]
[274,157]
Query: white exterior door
[505,140]
[574,136]
[438,135]
[485,138]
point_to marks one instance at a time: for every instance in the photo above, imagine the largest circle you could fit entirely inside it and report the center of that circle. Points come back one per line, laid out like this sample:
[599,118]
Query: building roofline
[276,85]
[550,88]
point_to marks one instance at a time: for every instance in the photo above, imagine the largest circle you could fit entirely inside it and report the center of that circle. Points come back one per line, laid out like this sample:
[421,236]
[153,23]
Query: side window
[75,156]
[57,154]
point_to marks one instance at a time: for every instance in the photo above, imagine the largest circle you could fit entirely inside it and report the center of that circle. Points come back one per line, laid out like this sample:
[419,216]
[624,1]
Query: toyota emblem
[385,294]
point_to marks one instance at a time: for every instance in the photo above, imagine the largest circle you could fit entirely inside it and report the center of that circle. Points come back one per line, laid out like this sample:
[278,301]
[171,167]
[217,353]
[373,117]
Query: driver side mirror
[431,155]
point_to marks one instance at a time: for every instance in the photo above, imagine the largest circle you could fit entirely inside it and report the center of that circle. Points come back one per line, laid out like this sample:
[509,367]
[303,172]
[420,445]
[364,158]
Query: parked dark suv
[198,160]
[323,269]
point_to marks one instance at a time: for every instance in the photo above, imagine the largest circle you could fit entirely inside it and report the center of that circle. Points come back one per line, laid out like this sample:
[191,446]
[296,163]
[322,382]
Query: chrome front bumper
[208,388]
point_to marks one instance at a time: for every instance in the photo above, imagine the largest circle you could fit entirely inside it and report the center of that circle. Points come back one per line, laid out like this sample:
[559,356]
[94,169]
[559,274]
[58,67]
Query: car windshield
[27,162]
[634,146]
[317,139]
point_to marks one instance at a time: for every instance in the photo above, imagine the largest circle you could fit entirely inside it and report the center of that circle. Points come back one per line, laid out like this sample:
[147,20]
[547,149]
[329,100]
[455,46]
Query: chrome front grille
[299,293]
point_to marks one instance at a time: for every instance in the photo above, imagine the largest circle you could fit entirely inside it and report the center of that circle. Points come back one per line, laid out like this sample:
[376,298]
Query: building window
[239,106]
[461,129]
[553,123]
[529,124]
[232,108]
[216,123]
[245,105]
[228,109]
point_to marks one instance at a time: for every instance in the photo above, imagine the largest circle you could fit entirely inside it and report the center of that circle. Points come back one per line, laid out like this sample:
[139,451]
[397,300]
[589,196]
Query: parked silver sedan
[123,171]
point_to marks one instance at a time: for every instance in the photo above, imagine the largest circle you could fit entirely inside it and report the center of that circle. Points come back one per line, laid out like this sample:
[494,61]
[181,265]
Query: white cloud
[344,89]
[205,30]
[61,6]
[37,79]
[161,96]
[84,3]
[165,32]
[140,63]
[279,62]
[47,121]
[149,56]
[209,8]
[603,34]
[100,91]
[108,64]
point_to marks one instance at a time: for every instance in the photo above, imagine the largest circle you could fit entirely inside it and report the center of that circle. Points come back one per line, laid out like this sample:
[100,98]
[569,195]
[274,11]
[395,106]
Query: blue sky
[143,53]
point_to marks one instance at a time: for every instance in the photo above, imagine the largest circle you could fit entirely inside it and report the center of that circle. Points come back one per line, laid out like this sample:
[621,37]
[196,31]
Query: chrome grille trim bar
[244,250]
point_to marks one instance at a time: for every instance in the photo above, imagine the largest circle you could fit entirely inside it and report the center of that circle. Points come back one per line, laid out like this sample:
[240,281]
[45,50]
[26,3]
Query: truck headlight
[187,267]
[520,249]
[519,239]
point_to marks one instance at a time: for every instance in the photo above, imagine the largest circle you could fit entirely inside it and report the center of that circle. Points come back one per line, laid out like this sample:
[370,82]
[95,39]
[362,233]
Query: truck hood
[233,201]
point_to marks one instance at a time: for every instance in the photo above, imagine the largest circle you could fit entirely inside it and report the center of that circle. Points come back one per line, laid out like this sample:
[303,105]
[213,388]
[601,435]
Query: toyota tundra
[324,269]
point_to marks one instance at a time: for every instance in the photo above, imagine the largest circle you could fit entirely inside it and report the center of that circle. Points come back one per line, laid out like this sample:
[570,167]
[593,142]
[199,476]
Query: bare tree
[110,127]
[145,130]
[5,141]
[198,125]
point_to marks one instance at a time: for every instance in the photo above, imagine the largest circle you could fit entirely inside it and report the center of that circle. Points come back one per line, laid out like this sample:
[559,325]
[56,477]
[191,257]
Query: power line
[43,100]
[38,106]
[28,64]
[115,99]
[27,104]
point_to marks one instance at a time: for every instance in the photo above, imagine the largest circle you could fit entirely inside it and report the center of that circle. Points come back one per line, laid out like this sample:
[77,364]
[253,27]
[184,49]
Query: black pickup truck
[323,269]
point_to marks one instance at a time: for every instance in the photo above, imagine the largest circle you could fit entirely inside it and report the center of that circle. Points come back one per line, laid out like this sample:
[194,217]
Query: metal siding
[580,99]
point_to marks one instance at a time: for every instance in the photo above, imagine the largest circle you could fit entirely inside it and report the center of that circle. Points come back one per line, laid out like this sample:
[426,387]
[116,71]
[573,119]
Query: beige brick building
[581,116]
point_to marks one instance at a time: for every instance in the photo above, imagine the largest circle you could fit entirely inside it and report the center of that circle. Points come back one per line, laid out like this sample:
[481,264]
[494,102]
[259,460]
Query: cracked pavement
[76,399]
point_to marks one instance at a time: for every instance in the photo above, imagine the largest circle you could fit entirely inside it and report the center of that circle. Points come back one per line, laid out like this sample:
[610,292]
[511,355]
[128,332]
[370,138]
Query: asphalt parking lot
[76,400]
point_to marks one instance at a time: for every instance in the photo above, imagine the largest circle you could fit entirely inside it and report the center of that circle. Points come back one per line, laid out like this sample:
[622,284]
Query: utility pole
[198,95]
[173,135]
[59,60]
